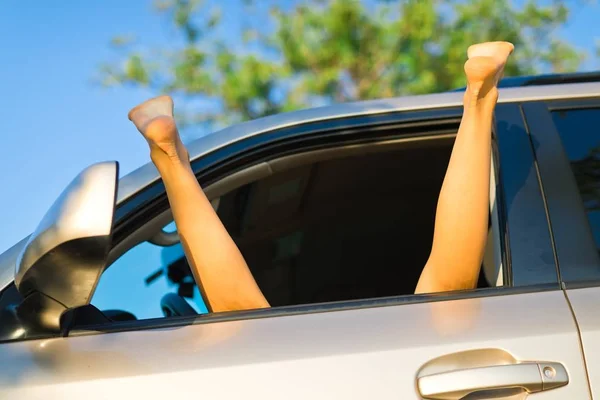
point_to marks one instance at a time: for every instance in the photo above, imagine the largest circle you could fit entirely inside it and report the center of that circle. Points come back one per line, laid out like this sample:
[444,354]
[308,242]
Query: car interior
[342,223]
[355,226]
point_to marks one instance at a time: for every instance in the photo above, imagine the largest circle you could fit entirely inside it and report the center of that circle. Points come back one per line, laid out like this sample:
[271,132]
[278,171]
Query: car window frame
[525,213]
[571,234]
[508,116]
[224,159]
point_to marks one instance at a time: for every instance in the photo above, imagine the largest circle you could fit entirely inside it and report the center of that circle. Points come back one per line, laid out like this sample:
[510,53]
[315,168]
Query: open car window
[331,228]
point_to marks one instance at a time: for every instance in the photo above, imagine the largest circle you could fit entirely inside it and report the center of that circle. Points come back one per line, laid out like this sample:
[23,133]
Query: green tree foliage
[295,54]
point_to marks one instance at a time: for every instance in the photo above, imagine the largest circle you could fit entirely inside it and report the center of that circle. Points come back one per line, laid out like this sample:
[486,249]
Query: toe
[150,109]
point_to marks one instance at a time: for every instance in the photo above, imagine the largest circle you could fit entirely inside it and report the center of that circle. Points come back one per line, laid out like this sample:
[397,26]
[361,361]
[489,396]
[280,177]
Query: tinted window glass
[579,131]
[138,280]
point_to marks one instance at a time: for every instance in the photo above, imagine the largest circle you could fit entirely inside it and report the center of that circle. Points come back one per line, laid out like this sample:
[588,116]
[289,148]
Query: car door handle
[528,376]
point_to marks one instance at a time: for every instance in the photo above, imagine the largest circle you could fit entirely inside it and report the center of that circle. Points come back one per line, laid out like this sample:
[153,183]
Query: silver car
[333,209]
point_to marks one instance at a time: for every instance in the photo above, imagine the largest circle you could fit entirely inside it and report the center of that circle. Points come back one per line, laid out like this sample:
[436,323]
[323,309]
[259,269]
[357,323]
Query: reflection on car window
[138,280]
[579,131]
[170,227]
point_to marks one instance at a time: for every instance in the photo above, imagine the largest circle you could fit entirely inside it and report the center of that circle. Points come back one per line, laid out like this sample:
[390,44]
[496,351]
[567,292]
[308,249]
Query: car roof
[147,174]
[546,79]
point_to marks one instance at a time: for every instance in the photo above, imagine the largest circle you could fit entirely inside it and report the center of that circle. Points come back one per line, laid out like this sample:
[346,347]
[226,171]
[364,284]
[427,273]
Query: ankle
[480,100]
[169,153]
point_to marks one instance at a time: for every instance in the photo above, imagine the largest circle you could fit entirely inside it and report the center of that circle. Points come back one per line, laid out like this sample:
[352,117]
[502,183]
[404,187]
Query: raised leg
[463,206]
[216,262]
[461,218]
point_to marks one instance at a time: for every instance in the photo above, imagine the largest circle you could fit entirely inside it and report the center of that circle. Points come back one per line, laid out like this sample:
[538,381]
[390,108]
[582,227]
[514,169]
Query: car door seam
[583,354]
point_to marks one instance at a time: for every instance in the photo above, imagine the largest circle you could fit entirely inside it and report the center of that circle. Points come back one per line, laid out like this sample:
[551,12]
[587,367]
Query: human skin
[461,223]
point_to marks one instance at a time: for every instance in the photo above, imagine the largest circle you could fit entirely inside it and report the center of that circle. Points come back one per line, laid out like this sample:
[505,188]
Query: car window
[579,131]
[347,228]
[337,229]
[138,280]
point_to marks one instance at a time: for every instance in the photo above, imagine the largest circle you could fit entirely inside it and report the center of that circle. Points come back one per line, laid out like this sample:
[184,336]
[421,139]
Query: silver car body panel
[133,182]
[584,303]
[573,223]
[355,354]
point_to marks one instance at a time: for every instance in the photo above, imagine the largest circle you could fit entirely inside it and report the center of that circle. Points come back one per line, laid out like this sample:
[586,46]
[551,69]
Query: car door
[566,135]
[501,341]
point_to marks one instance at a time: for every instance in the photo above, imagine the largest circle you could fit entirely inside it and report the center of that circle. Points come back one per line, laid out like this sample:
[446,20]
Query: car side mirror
[61,263]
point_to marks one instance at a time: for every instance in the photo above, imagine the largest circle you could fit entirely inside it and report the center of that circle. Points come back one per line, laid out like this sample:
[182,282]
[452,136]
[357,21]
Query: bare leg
[216,262]
[461,222]
[461,219]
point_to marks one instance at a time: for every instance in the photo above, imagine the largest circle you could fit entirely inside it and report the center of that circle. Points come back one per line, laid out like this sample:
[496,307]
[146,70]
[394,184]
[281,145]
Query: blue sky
[55,121]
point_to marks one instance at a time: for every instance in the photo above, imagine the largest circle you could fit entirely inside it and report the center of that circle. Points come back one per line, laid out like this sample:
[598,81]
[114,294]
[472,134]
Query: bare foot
[485,66]
[154,119]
